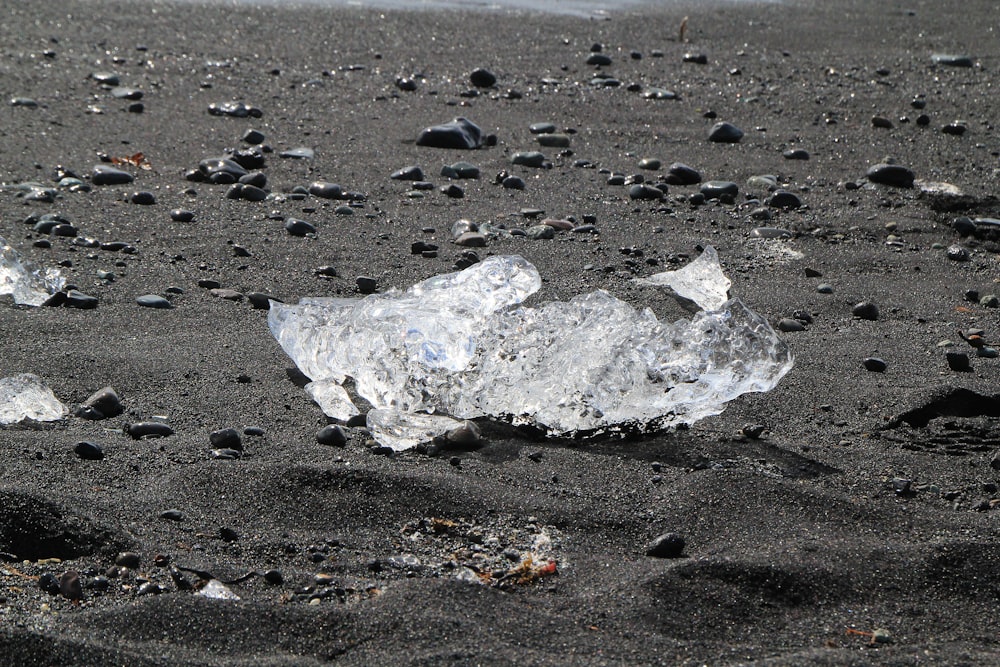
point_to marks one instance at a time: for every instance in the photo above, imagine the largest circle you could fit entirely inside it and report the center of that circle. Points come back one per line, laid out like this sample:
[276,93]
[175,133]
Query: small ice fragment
[461,345]
[28,284]
[332,399]
[702,281]
[402,431]
[24,396]
[216,590]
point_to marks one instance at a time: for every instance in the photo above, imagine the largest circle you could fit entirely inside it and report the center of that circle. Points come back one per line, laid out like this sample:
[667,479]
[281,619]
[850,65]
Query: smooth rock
[297,227]
[153,301]
[865,310]
[106,175]
[482,78]
[770,233]
[599,60]
[460,170]
[88,451]
[226,438]
[542,128]
[102,404]
[332,435]
[952,60]
[413,173]
[784,199]
[789,324]
[459,133]
[540,232]
[79,300]
[366,284]
[553,140]
[681,174]
[143,198]
[529,159]
[875,365]
[471,240]
[891,174]
[669,545]
[726,133]
[796,154]
[181,215]
[212,168]
[716,189]
[141,430]
[656,93]
[642,191]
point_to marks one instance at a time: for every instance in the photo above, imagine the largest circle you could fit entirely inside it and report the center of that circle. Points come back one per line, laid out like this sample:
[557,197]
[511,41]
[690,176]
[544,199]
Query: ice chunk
[401,430]
[28,284]
[702,281]
[25,396]
[461,345]
[216,590]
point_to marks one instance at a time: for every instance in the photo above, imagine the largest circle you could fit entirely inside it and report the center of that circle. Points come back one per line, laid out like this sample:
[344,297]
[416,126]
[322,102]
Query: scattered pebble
[332,435]
[669,545]
[142,430]
[459,133]
[891,174]
[725,133]
[153,301]
[875,365]
[88,451]
[106,175]
[482,78]
[865,310]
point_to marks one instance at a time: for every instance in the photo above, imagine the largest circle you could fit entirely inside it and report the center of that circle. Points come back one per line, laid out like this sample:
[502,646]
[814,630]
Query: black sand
[797,543]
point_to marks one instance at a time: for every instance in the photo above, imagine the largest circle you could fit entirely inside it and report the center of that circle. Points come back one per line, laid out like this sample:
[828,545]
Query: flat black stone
[88,451]
[459,133]
[106,175]
[891,174]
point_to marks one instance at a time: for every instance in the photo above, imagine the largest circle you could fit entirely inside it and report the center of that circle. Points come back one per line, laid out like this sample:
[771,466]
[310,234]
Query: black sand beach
[846,517]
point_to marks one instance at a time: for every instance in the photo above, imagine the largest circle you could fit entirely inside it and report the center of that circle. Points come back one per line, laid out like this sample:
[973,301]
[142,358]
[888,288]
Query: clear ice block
[25,396]
[28,284]
[461,345]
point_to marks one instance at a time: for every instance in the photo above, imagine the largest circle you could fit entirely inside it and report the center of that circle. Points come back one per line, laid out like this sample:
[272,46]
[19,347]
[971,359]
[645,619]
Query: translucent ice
[24,396]
[460,344]
[27,283]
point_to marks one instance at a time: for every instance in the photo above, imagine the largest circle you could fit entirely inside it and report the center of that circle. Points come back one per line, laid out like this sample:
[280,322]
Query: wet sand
[839,520]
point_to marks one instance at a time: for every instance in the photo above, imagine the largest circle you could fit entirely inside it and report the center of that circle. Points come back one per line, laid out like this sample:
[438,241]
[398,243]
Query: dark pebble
[453,191]
[641,191]
[875,365]
[952,60]
[216,167]
[226,438]
[716,189]
[891,174]
[49,583]
[459,133]
[796,154]
[88,451]
[252,193]
[153,301]
[958,361]
[955,129]
[599,60]
[261,300]
[865,310]
[788,324]
[650,164]
[70,585]
[128,559]
[366,284]
[253,137]
[670,545]
[101,405]
[331,435]
[227,294]
[513,183]
[784,199]
[680,174]
[460,170]
[697,58]
[326,190]
[412,173]
[273,577]
[297,227]
[181,215]
[482,78]
[75,299]
[107,175]
[725,133]
[172,515]
[142,430]
[226,454]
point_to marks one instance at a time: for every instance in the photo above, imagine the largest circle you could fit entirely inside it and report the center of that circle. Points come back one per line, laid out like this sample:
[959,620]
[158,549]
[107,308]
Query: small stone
[88,451]
[482,78]
[952,60]
[325,190]
[412,173]
[226,293]
[642,191]
[181,215]
[796,154]
[273,577]
[788,325]
[957,253]
[226,438]
[669,545]
[70,585]
[865,311]
[172,515]
[875,365]
[141,430]
[79,300]
[599,60]
[453,191]
[553,140]
[824,288]
[891,174]
[955,129]
[958,361]
[542,128]
[529,159]
[657,93]
[366,284]
[297,227]
[471,240]
[102,404]
[128,559]
[723,132]
[459,133]
[153,301]
[513,183]
[253,137]
[716,189]
[680,174]
[881,122]
[261,300]
[697,58]
[784,200]
[107,175]
[332,435]
[105,78]
[465,435]
[299,153]
[460,170]
[650,164]
[540,232]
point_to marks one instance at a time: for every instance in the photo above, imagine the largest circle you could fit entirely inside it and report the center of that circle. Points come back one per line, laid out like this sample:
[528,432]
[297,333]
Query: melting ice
[25,396]
[28,284]
[460,346]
